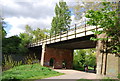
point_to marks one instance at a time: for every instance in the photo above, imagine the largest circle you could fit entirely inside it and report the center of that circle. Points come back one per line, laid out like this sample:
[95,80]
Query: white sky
[36,13]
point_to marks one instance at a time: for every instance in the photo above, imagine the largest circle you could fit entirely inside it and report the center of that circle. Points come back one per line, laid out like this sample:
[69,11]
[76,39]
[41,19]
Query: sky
[36,13]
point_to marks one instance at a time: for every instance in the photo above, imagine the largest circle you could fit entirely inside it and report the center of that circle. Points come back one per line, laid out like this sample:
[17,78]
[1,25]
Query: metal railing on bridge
[74,31]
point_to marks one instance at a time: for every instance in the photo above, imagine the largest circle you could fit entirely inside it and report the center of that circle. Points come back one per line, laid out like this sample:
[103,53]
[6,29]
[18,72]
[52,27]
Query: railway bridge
[58,49]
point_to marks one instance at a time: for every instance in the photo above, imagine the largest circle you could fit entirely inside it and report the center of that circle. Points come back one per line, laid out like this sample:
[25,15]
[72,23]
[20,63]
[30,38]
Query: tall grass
[31,59]
[8,62]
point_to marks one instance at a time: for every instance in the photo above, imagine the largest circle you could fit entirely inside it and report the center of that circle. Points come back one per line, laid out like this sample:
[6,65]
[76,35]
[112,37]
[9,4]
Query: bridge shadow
[78,69]
[82,69]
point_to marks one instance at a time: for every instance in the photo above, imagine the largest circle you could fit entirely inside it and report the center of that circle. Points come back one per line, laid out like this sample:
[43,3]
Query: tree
[107,18]
[11,45]
[79,58]
[29,36]
[90,58]
[62,19]
[80,8]
[25,40]
[39,34]
[2,26]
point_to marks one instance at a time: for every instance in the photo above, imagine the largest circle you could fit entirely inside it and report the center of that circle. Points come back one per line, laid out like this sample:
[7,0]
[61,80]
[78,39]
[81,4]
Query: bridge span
[54,50]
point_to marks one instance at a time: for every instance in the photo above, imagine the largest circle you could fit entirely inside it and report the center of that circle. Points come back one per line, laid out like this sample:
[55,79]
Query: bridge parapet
[74,32]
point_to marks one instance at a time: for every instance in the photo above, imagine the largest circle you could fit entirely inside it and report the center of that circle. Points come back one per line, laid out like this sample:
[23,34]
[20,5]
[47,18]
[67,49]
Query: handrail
[66,34]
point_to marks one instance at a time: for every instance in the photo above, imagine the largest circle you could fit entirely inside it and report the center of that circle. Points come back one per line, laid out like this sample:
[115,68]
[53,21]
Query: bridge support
[107,64]
[58,55]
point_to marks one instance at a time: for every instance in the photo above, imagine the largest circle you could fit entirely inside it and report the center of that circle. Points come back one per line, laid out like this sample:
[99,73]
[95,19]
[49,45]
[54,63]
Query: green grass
[90,68]
[35,71]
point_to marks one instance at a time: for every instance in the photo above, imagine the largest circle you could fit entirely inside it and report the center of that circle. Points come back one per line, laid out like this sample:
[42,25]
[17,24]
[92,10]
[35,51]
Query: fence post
[50,37]
[96,28]
[55,36]
[60,35]
[85,27]
[75,30]
[37,41]
[67,34]
[46,39]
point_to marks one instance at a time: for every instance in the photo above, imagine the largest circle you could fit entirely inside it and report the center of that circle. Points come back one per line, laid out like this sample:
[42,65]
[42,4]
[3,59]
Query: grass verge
[34,71]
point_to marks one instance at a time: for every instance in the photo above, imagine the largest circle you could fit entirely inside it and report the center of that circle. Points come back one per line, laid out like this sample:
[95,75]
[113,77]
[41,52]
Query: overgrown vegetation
[8,62]
[33,71]
[31,59]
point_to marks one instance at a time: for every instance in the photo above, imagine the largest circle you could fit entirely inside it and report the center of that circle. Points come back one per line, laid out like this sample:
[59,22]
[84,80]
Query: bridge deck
[76,32]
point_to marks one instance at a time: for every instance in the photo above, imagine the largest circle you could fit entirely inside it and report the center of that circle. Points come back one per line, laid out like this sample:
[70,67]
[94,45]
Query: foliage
[3,33]
[29,36]
[84,56]
[25,40]
[39,34]
[79,58]
[2,26]
[18,44]
[10,45]
[90,58]
[80,8]
[107,18]
[34,71]
[8,62]
[31,59]
[118,76]
[62,19]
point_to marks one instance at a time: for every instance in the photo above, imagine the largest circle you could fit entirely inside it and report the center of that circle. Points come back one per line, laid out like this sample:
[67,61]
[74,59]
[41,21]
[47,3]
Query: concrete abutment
[107,64]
